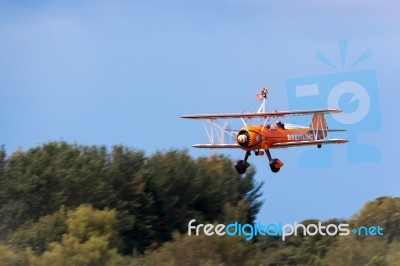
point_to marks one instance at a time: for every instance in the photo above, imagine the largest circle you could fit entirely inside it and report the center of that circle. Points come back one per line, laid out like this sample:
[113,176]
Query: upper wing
[262,115]
[307,142]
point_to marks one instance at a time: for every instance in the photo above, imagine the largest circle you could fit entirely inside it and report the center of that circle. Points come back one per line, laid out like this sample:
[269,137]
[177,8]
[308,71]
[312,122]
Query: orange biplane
[269,134]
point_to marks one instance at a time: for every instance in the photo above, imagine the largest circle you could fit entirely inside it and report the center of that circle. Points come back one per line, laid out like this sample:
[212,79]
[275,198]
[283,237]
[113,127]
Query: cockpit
[280,125]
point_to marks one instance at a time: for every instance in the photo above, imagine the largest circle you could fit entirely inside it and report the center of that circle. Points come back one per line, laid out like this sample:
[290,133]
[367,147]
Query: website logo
[353,91]
[280,230]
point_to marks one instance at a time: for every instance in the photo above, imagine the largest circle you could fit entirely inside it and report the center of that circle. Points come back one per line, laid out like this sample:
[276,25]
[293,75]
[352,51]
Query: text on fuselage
[300,137]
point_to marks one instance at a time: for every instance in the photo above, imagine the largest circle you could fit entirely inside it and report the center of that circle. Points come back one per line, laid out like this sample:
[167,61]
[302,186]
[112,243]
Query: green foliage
[64,204]
[393,254]
[377,261]
[383,211]
[38,182]
[296,250]
[10,257]
[3,162]
[152,196]
[90,240]
[342,250]
[352,251]
[202,250]
[85,222]
[38,235]
[171,188]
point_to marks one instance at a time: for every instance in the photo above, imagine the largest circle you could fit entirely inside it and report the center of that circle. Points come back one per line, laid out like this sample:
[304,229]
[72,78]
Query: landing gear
[258,153]
[275,164]
[242,165]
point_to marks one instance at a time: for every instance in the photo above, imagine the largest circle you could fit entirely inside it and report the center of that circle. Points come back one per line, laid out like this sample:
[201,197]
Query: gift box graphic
[355,93]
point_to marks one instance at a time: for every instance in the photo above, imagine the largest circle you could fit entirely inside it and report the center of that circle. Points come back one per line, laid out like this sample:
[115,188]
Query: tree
[202,250]
[91,239]
[152,196]
[172,188]
[38,235]
[377,261]
[384,211]
[39,181]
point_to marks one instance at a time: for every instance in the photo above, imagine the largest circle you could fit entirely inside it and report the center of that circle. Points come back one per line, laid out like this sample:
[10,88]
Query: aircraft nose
[242,138]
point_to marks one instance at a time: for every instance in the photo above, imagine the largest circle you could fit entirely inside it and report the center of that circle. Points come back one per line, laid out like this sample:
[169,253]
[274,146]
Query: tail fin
[318,126]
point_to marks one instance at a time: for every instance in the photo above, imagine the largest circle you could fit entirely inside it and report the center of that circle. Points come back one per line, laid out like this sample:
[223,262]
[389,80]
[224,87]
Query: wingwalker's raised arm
[270,134]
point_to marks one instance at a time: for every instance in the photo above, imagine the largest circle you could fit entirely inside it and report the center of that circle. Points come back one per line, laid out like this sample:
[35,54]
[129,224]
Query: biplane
[269,133]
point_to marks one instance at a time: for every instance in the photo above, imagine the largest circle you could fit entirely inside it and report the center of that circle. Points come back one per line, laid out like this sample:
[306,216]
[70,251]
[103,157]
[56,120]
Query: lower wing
[276,145]
[217,146]
[307,143]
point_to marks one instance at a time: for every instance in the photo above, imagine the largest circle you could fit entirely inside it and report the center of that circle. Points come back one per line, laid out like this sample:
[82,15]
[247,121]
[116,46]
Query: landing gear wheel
[241,166]
[275,165]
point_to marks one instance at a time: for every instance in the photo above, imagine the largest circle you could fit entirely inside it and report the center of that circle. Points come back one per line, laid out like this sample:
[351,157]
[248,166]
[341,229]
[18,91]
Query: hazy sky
[123,72]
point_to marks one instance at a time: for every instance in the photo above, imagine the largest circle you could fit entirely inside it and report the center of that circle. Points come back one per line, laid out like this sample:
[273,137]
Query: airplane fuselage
[258,137]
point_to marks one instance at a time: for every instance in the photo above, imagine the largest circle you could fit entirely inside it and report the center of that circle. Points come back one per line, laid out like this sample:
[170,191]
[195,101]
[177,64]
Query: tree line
[69,204]
[152,196]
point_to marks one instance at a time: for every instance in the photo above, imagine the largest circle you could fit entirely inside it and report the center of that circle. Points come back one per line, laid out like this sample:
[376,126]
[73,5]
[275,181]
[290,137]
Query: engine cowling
[247,138]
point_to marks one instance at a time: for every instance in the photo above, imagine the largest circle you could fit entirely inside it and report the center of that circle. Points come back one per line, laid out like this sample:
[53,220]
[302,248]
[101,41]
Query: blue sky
[102,72]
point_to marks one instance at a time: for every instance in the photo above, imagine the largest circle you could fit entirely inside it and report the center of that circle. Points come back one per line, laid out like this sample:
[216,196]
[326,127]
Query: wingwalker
[269,134]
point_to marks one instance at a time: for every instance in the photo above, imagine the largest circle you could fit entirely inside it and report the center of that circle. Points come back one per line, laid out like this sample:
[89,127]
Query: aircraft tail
[318,126]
